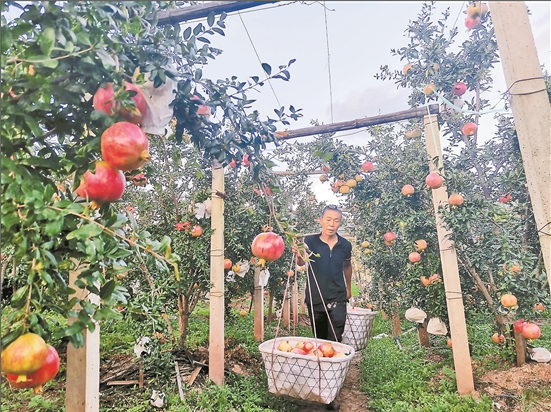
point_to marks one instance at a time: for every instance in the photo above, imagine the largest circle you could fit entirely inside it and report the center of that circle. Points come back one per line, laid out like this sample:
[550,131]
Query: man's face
[330,222]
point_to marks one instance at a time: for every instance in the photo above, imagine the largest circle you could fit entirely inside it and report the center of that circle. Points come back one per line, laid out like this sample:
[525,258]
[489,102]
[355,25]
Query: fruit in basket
[298,351]
[285,346]
[327,349]
[315,353]
[300,344]
[339,355]
[308,346]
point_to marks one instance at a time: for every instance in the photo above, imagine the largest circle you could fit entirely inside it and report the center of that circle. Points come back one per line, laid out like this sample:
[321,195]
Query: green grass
[394,380]
[402,380]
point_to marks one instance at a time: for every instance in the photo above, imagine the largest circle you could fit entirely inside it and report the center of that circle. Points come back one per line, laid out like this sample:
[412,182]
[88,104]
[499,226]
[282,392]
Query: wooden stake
[83,364]
[285,311]
[294,304]
[258,307]
[450,269]
[179,381]
[531,111]
[216,332]
[193,375]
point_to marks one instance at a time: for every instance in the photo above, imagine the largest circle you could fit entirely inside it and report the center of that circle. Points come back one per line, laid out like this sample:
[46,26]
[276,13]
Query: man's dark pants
[337,315]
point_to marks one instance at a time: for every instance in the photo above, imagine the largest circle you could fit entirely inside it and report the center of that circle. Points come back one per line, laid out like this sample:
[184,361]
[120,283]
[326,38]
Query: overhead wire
[328,61]
[258,57]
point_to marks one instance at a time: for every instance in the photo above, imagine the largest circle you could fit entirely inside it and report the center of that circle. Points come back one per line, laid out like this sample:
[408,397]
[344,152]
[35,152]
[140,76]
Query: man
[328,255]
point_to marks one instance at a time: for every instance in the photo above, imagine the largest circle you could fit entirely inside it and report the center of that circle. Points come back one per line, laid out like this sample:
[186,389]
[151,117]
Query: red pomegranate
[125,146]
[456,199]
[268,246]
[519,325]
[24,355]
[389,236]
[105,185]
[531,331]
[408,190]
[104,100]
[38,378]
[434,180]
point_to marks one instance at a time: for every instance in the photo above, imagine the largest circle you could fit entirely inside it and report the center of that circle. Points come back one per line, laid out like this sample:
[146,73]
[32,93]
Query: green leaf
[84,38]
[210,19]
[106,59]
[107,290]
[267,68]
[187,33]
[198,74]
[107,313]
[54,227]
[19,295]
[44,61]
[86,231]
[47,41]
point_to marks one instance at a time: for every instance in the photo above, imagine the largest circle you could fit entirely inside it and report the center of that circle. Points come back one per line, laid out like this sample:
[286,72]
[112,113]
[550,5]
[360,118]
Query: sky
[339,46]
[348,40]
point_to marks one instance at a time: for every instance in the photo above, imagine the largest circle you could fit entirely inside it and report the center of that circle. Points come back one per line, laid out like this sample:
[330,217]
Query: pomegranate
[125,146]
[227,264]
[105,185]
[38,378]
[389,236]
[414,257]
[420,244]
[455,199]
[459,89]
[24,355]
[139,180]
[268,246]
[367,167]
[196,231]
[202,110]
[471,22]
[505,198]
[508,300]
[469,129]
[434,180]
[519,325]
[408,190]
[531,331]
[105,101]
[246,161]
[498,338]
[449,342]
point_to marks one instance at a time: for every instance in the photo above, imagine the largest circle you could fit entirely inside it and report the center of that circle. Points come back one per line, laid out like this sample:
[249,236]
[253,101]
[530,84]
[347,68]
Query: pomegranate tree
[268,246]
[104,185]
[125,146]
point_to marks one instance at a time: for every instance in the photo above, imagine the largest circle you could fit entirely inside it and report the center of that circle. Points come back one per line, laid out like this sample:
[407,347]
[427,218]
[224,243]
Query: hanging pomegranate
[23,356]
[268,246]
[104,100]
[38,378]
[125,146]
[104,185]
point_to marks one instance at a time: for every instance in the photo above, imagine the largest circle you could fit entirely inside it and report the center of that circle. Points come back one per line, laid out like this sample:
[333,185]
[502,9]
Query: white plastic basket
[357,330]
[305,377]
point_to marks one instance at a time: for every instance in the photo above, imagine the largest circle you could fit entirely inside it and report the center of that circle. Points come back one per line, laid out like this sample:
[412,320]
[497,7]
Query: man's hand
[296,252]
[348,293]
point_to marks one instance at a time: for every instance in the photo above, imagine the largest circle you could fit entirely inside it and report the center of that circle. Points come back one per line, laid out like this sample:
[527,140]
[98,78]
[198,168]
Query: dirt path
[351,398]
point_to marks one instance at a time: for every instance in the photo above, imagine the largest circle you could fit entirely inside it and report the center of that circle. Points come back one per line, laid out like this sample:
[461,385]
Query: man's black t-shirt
[327,268]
